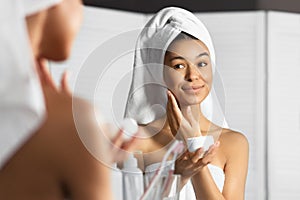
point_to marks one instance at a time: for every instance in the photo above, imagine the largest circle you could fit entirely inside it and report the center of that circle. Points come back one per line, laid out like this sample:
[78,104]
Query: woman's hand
[189,163]
[182,124]
[119,148]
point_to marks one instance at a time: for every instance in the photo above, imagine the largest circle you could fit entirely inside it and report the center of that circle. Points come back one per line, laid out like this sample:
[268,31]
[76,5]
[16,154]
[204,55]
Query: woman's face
[188,71]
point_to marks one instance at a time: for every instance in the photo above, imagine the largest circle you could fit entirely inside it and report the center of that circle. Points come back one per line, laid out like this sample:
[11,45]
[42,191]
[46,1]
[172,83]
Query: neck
[205,124]
[196,111]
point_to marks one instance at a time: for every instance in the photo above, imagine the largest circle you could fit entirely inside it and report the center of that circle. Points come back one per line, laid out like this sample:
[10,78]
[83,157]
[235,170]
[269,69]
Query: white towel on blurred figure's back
[21,100]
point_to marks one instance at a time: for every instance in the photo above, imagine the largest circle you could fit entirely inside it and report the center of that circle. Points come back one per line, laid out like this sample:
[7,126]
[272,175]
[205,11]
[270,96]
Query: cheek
[207,76]
[59,31]
[208,80]
[76,19]
[70,15]
[172,79]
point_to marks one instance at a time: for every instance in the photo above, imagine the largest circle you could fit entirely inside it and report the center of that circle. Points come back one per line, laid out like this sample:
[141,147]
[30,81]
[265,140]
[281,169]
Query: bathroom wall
[283,105]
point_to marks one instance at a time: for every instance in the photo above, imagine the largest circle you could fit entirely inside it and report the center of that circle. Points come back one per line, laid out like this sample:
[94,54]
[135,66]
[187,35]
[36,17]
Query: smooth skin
[188,76]
[54,163]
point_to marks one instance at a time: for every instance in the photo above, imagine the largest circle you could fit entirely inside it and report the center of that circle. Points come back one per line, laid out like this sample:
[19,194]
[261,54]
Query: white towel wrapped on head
[147,97]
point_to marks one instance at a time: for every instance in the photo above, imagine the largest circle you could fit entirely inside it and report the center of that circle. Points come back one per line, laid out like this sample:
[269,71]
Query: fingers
[184,156]
[65,83]
[175,117]
[39,72]
[201,157]
[190,163]
[198,155]
[209,155]
[118,139]
[44,73]
[130,145]
[191,119]
[120,148]
[46,78]
[189,115]
[213,148]
[174,106]
[119,143]
[181,121]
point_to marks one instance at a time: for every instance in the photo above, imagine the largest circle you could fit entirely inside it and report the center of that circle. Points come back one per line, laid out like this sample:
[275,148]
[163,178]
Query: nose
[192,73]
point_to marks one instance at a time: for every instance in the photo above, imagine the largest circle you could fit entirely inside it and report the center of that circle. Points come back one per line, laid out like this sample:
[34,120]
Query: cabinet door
[283,105]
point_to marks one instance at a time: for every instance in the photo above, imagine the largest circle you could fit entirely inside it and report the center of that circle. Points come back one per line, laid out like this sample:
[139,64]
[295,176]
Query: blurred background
[257,46]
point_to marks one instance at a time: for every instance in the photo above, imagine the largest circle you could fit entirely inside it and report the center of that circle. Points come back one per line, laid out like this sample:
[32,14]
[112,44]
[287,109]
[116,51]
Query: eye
[178,66]
[202,64]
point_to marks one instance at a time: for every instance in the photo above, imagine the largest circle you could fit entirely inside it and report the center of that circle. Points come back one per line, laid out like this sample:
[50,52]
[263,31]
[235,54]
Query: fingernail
[168,93]
[217,143]
[69,72]
[189,109]
[200,155]
[201,150]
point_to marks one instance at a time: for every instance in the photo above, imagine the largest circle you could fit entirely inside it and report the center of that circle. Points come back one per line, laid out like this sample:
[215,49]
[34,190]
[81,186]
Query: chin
[189,102]
[192,100]
[57,56]
[56,50]
[61,57]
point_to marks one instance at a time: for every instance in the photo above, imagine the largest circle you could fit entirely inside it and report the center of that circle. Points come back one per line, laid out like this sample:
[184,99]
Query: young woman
[171,86]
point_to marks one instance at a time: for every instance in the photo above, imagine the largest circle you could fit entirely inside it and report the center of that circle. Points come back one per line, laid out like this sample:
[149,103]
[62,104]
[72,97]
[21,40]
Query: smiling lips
[193,88]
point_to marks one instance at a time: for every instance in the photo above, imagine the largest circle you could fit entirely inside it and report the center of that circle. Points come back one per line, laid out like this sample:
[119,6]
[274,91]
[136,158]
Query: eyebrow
[203,54]
[177,57]
[181,58]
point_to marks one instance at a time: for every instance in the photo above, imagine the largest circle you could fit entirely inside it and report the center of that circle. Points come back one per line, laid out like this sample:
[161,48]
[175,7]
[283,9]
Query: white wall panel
[239,39]
[284,105]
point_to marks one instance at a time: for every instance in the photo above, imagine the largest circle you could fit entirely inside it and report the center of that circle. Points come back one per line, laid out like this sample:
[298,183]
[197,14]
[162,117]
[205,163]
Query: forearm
[204,185]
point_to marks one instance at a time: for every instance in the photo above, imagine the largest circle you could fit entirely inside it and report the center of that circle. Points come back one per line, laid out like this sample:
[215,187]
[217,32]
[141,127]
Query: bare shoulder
[232,136]
[233,142]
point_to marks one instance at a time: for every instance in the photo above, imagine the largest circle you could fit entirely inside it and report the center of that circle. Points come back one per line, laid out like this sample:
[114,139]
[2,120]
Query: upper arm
[236,166]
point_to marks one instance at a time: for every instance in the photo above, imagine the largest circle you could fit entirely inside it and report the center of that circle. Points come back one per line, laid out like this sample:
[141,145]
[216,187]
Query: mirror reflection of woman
[176,39]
